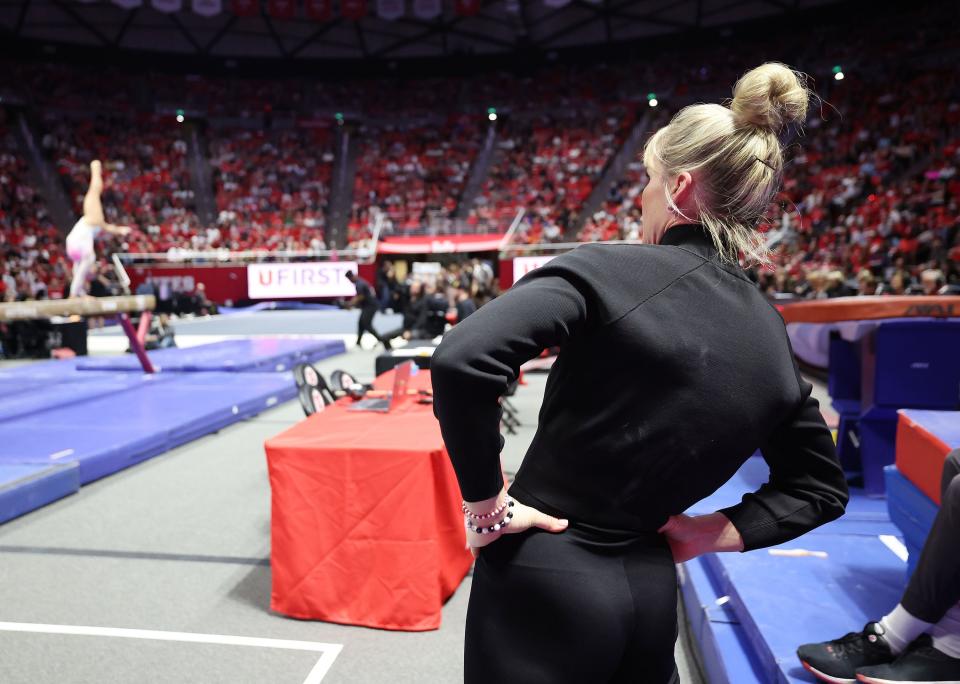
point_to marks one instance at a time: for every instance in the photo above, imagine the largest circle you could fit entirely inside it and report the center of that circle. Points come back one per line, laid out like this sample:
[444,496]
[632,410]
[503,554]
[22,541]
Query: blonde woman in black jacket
[673,369]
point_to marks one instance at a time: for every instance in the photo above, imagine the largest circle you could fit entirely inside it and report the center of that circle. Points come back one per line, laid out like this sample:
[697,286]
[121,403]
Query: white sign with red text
[300,280]
[523,265]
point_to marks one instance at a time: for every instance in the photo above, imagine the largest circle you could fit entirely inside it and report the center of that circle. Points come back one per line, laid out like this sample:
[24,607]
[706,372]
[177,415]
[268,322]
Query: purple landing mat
[115,431]
[864,515]
[27,486]
[782,602]
[944,425]
[246,355]
[725,653]
[276,306]
[38,371]
[28,396]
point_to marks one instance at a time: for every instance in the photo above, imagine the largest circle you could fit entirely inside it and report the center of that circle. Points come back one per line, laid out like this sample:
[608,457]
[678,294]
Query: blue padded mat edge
[724,650]
[944,425]
[860,580]
[911,511]
[25,487]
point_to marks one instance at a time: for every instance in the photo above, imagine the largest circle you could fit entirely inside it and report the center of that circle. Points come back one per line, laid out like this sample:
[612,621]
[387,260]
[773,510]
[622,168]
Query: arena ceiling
[499,26]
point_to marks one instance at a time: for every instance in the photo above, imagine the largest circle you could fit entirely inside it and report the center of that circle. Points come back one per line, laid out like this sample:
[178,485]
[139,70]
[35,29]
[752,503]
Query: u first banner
[305,280]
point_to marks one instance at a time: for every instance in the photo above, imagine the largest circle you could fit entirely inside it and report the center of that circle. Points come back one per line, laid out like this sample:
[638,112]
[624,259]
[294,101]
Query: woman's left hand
[524,517]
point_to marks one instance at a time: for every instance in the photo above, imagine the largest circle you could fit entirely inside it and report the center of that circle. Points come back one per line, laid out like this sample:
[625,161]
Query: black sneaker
[919,664]
[837,661]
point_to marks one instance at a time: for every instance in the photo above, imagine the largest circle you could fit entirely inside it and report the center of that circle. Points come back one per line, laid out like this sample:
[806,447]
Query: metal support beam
[218,36]
[606,21]
[361,39]
[273,34]
[79,18]
[186,34]
[21,17]
[131,15]
[315,36]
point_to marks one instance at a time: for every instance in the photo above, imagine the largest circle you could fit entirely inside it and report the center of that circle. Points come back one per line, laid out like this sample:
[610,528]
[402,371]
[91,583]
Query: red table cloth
[366,526]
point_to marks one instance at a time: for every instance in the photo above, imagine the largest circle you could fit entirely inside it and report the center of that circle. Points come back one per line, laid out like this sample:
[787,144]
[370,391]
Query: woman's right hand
[524,518]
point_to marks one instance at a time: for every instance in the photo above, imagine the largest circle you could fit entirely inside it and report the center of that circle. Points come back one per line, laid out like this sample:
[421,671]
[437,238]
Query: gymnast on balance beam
[80,246]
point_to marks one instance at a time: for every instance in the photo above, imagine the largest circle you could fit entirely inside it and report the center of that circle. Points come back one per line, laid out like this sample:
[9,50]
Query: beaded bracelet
[492,514]
[496,527]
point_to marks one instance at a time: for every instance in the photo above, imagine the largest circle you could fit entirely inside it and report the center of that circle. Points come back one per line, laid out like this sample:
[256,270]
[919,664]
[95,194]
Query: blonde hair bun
[770,96]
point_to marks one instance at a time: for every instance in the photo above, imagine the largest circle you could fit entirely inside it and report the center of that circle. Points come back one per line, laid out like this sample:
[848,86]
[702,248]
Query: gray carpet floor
[181,543]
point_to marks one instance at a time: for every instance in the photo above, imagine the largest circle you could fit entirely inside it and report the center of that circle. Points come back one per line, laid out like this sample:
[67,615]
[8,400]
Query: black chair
[309,378]
[342,380]
[311,400]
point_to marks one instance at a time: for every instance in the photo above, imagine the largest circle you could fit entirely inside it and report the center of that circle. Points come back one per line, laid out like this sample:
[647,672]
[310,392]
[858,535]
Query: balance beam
[88,306]
[80,306]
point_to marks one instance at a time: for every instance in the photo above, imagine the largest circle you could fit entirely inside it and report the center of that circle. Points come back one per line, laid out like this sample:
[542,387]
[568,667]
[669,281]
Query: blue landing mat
[25,487]
[259,354]
[783,602]
[724,650]
[112,432]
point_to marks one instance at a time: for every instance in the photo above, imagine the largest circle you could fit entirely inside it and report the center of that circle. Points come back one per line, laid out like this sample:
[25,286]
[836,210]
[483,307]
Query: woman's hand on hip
[524,517]
[692,536]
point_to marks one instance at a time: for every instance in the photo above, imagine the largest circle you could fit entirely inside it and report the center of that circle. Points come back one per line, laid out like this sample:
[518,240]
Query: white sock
[946,633]
[901,628]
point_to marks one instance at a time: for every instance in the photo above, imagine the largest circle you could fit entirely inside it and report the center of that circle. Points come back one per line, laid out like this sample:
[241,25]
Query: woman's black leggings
[581,606]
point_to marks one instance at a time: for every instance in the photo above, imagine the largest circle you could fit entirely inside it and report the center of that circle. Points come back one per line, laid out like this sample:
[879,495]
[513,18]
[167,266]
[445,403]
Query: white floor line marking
[895,545]
[329,652]
[323,666]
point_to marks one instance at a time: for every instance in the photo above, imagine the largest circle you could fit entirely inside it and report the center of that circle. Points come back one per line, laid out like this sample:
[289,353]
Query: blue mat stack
[66,423]
[749,612]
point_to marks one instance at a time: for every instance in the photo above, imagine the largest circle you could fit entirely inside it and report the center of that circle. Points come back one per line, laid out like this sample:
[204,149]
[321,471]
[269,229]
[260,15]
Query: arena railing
[214,258]
[364,254]
[440,226]
[553,248]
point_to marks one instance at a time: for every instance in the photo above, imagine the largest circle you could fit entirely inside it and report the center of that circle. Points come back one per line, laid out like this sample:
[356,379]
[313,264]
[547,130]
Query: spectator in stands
[366,299]
[932,281]
[386,282]
[148,287]
[866,283]
[435,311]
[201,303]
[918,642]
[161,334]
[899,282]
[465,304]
[410,303]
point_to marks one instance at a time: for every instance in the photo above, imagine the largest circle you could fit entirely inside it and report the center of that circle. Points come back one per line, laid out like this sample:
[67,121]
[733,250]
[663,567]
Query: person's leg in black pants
[887,650]
[572,607]
[934,587]
[366,324]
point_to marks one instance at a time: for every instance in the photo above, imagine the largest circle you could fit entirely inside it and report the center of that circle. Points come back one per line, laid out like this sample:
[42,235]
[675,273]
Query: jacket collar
[690,236]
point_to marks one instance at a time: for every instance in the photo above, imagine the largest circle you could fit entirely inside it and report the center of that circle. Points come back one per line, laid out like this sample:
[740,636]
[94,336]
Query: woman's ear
[682,190]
